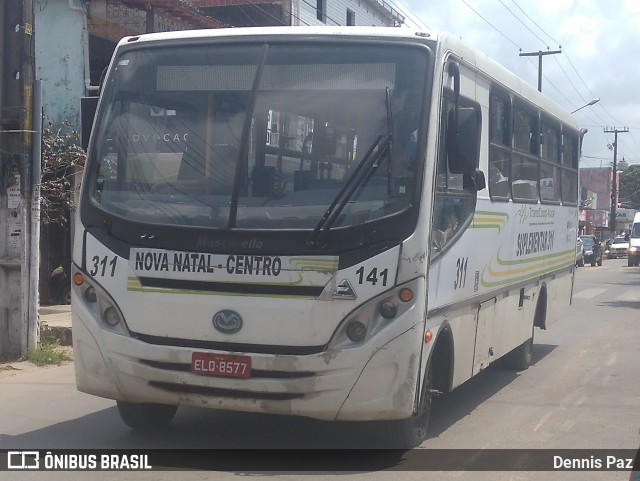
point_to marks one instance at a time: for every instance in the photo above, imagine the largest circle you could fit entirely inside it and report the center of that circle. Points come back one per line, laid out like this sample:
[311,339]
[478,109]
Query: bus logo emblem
[344,291]
[227,322]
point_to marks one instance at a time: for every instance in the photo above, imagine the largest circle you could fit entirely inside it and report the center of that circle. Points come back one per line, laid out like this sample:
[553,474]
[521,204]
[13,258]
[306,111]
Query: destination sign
[168,264]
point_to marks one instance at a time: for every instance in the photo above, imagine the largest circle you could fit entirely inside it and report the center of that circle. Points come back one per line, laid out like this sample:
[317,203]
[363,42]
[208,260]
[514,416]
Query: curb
[55,324]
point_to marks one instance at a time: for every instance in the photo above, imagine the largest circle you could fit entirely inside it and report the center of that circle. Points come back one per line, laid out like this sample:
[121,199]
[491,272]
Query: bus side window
[524,160]
[499,147]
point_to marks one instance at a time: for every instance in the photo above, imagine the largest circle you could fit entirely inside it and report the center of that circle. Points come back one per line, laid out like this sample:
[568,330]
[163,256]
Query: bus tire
[520,358]
[412,432]
[146,416]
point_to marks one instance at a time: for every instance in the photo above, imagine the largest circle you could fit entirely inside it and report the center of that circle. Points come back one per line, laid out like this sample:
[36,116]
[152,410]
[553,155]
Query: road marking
[543,420]
[629,296]
[589,293]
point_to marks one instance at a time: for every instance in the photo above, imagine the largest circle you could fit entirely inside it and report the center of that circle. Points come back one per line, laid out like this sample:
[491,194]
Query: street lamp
[594,101]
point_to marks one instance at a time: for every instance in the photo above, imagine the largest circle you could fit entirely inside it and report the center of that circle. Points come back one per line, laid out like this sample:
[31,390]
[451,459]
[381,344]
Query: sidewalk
[55,321]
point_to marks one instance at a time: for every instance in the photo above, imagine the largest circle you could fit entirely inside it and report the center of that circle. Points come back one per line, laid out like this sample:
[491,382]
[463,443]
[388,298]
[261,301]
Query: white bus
[337,223]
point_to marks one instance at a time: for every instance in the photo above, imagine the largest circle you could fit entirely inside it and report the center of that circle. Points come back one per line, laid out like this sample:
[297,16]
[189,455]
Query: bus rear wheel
[520,358]
[410,433]
[146,416]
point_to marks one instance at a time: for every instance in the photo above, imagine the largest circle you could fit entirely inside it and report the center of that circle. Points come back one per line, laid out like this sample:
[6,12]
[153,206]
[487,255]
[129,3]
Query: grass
[47,352]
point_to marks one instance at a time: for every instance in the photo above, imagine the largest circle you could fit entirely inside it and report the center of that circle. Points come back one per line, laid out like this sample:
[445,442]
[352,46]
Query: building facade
[595,202]
[75,38]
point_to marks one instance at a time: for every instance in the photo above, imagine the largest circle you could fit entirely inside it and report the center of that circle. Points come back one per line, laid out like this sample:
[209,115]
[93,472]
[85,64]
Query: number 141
[373,276]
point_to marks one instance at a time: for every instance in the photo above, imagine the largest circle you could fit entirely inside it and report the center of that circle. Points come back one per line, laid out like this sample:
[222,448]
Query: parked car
[579,253]
[618,248]
[593,250]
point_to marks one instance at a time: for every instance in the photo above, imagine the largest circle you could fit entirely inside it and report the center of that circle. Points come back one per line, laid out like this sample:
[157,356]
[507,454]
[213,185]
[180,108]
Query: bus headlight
[356,331]
[102,306]
[388,310]
[373,316]
[90,294]
[111,316]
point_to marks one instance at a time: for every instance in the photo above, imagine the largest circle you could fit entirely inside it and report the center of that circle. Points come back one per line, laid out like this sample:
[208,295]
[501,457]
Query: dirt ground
[15,368]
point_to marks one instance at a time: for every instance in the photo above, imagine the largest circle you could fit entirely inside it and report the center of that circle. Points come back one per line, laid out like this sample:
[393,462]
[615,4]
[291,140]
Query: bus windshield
[257,136]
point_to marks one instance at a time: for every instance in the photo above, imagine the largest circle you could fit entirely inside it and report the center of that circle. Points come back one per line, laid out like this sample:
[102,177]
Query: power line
[534,22]
[491,25]
[545,77]
[408,13]
[260,9]
[255,24]
[557,61]
[513,43]
[524,24]
[566,55]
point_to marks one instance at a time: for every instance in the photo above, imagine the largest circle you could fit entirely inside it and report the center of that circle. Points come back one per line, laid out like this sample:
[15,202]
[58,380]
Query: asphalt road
[583,392]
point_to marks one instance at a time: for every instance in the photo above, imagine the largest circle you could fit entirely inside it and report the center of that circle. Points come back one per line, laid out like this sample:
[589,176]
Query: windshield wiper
[382,146]
[244,140]
[362,172]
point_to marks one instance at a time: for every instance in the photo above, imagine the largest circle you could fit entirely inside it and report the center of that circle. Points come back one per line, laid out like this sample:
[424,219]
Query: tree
[630,186]
[61,156]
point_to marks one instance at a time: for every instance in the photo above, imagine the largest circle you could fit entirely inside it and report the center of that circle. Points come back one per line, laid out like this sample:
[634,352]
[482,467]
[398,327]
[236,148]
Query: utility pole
[18,316]
[614,178]
[539,54]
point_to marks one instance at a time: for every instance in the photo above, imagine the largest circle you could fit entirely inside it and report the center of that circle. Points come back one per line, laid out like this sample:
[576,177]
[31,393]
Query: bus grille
[230,346]
[228,393]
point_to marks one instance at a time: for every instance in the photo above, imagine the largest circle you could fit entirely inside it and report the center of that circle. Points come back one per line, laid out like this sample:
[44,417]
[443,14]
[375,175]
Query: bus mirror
[463,140]
[475,181]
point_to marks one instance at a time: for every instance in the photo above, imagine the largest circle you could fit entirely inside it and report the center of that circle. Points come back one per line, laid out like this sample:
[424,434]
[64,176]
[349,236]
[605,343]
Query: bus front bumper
[374,381]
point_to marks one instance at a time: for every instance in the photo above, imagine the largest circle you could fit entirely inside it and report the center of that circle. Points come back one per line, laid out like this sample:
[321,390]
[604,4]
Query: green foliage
[630,186]
[48,352]
[62,155]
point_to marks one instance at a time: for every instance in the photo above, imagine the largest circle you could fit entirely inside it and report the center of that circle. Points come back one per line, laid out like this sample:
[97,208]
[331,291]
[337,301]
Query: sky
[600,43]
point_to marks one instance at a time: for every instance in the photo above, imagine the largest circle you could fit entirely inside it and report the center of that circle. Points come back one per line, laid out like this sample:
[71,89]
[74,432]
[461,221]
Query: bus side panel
[513,323]
[558,296]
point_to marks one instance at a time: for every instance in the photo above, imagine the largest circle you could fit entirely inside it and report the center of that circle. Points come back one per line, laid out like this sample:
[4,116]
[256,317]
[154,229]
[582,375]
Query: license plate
[220,365]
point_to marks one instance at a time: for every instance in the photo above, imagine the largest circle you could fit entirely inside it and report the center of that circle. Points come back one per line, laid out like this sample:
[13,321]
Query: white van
[633,258]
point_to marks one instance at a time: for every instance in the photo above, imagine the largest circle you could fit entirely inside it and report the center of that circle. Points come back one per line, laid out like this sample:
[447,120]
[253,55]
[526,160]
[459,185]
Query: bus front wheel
[409,433]
[146,416]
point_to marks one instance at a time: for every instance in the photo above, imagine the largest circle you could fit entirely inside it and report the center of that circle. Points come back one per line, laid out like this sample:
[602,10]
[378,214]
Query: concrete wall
[59,58]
